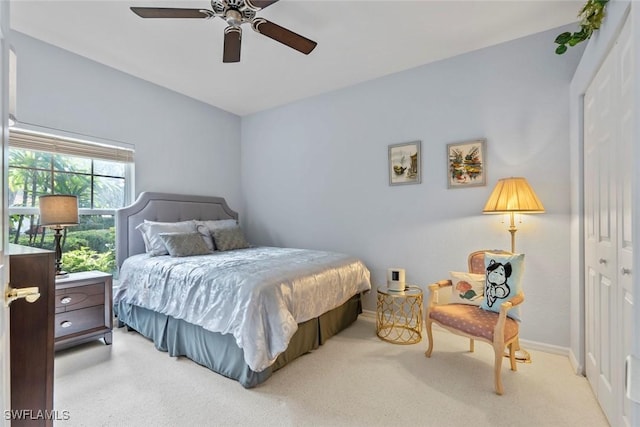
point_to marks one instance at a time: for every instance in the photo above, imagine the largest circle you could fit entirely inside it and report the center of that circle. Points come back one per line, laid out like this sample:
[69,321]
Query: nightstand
[83,309]
[399,315]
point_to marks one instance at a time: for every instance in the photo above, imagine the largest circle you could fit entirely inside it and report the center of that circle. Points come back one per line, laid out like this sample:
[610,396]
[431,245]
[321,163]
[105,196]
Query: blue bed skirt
[220,353]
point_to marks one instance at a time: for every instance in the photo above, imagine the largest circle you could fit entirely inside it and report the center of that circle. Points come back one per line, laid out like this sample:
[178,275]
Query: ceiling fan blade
[284,36]
[170,12]
[232,39]
[259,4]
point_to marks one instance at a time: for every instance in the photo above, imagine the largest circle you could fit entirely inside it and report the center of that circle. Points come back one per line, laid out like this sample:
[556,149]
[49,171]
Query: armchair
[473,322]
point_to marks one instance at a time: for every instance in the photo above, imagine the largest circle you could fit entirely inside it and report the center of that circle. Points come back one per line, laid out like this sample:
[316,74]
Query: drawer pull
[66,324]
[65,300]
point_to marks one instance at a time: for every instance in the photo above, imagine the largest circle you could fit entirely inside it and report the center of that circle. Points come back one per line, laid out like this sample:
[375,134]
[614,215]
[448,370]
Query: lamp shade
[58,210]
[513,195]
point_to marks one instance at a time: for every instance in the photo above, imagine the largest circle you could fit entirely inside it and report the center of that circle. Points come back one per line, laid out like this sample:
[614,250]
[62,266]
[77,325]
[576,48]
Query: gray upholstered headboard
[163,207]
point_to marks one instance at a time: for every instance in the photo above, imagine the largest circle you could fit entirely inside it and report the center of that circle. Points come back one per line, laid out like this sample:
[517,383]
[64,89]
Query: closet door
[608,136]
[625,295]
[600,232]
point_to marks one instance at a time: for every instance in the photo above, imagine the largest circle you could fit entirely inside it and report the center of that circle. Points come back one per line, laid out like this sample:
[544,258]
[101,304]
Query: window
[99,174]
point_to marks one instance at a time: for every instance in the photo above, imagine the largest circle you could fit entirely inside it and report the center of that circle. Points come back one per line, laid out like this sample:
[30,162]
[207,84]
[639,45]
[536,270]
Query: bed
[243,313]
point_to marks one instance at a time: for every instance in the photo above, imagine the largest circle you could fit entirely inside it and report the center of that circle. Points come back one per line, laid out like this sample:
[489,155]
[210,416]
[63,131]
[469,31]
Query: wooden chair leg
[499,354]
[512,357]
[516,344]
[430,337]
[472,345]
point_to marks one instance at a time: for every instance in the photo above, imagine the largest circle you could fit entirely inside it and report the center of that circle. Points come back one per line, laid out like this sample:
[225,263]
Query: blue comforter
[257,294]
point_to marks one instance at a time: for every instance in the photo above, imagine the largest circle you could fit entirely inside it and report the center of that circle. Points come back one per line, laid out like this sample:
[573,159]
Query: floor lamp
[58,211]
[511,196]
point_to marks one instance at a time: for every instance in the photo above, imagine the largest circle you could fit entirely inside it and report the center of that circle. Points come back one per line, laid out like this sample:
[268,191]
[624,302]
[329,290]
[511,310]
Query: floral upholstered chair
[470,320]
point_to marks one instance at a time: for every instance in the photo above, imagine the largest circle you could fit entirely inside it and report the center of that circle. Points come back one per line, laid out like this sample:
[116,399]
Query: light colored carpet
[355,379]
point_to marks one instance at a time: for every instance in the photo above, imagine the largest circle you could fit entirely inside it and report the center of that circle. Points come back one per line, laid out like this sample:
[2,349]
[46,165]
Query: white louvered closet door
[608,133]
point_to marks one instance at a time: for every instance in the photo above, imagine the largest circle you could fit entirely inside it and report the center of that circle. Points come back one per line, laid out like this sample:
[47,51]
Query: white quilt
[257,294]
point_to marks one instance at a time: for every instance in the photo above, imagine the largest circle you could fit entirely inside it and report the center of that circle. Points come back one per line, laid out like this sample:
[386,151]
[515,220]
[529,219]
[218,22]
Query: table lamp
[57,212]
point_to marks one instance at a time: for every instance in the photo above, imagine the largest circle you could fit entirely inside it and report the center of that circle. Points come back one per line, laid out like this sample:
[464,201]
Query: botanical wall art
[466,164]
[404,163]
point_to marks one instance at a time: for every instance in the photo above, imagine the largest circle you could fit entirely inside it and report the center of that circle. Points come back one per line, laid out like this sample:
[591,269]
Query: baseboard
[368,313]
[526,344]
[577,367]
[547,348]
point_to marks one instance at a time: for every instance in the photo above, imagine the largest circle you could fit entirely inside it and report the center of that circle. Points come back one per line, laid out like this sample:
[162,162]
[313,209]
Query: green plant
[96,240]
[591,16]
[85,259]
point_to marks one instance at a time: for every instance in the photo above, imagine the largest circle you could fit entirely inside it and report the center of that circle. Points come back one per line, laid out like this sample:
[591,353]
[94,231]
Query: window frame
[69,144]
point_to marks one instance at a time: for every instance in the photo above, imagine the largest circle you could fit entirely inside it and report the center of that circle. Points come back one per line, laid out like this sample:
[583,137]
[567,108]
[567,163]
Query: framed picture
[466,166]
[405,164]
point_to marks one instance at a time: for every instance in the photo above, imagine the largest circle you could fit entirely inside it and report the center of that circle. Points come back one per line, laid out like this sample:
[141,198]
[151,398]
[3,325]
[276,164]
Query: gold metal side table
[399,315]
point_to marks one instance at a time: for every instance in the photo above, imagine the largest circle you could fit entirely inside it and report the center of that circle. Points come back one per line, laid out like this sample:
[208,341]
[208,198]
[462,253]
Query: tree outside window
[101,189]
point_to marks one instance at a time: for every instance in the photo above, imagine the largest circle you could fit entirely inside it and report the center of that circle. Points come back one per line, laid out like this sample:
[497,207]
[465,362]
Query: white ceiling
[358,40]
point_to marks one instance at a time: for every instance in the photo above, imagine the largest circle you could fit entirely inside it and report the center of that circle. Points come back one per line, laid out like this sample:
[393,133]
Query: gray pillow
[207,227]
[227,239]
[150,234]
[184,244]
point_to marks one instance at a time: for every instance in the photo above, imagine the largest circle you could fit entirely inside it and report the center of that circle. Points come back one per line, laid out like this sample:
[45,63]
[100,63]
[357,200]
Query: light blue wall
[314,173]
[182,145]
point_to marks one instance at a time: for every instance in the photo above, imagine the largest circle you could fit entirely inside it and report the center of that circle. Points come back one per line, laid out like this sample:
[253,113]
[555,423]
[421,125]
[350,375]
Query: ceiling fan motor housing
[235,12]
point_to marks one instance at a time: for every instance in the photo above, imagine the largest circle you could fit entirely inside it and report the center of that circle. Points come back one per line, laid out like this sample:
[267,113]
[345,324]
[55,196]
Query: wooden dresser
[83,307]
[32,335]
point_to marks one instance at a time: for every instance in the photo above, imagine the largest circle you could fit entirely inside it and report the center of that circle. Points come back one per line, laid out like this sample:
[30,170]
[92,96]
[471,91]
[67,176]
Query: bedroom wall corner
[319,179]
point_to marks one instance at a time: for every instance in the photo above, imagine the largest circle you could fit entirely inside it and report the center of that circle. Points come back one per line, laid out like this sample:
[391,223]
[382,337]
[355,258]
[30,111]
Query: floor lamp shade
[58,210]
[511,196]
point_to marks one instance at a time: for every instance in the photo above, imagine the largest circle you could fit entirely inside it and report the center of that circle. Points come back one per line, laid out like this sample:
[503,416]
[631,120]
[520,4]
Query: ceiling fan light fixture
[233,17]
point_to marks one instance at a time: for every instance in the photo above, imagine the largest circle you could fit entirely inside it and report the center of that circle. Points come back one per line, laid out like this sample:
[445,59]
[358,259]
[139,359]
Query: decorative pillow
[150,234]
[217,224]
[503,281]
[468,288]
[184,244]
[227,239]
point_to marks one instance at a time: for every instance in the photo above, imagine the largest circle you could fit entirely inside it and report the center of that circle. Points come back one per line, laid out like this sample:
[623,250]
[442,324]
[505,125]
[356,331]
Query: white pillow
[468,288]
[204,232]
[151,234]
[218,224]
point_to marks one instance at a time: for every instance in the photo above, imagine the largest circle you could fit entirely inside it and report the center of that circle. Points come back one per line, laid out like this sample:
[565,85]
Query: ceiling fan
[235,13]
